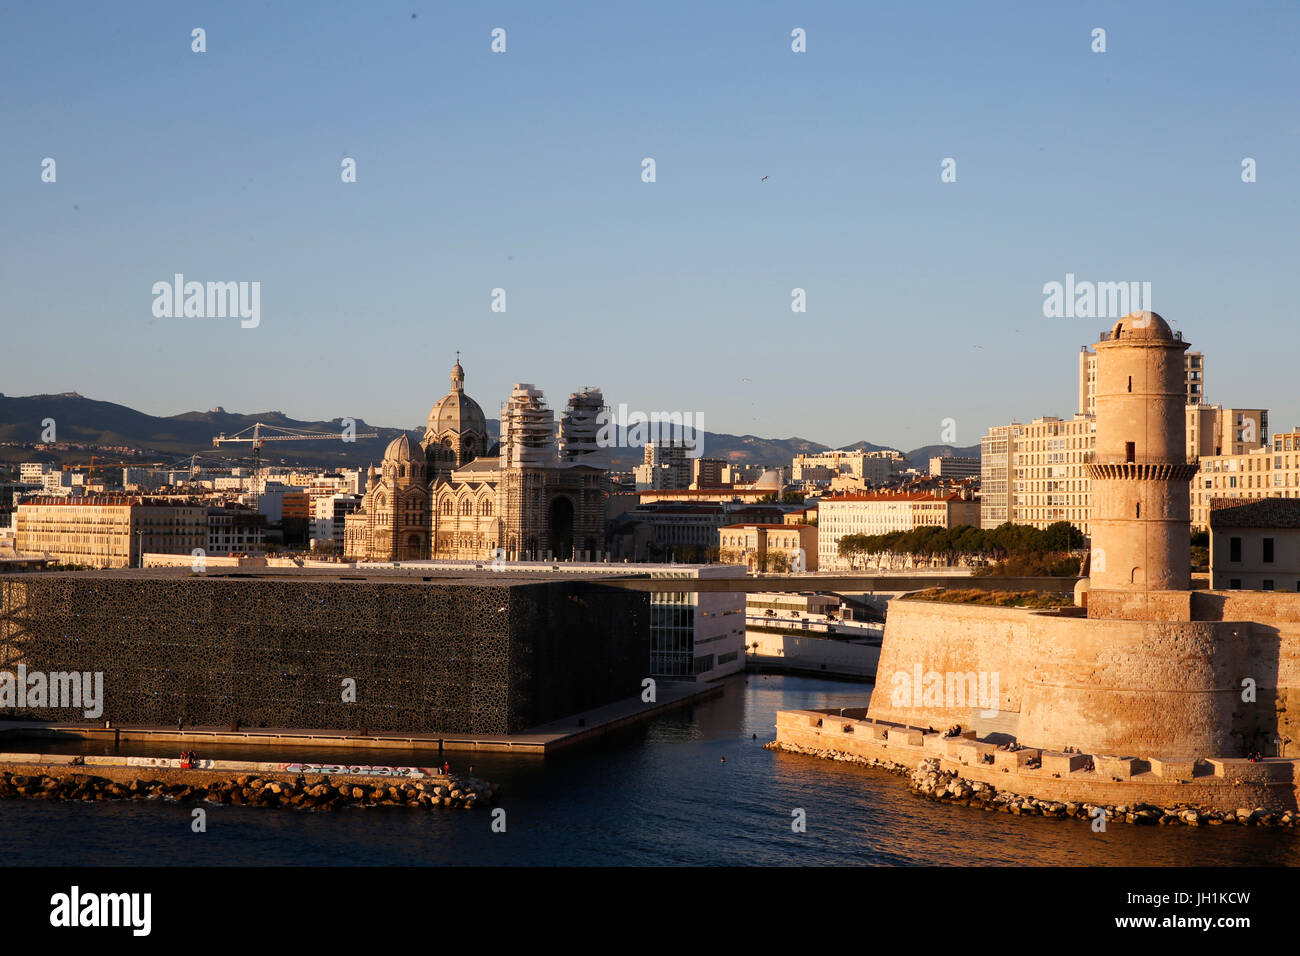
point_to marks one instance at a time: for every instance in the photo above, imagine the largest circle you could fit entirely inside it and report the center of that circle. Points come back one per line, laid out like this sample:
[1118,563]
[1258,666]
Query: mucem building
[489,653]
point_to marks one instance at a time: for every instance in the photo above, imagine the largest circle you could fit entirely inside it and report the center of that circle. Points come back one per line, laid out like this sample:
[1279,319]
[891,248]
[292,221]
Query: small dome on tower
[1142,325]
[399,449]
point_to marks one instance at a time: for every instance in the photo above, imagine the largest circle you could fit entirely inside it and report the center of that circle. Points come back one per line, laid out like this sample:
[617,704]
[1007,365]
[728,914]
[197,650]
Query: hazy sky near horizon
[523,171]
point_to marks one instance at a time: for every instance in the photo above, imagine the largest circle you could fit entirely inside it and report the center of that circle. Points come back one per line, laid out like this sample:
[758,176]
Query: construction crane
[195,463]
[111,464]
[257,439]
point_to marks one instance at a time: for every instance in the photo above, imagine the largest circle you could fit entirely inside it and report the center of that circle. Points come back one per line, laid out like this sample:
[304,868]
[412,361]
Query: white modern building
[696,635]
[329,516]
[34,472]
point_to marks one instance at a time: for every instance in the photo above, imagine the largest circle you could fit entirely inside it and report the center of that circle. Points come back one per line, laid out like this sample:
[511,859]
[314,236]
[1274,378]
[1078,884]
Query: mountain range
[92,424]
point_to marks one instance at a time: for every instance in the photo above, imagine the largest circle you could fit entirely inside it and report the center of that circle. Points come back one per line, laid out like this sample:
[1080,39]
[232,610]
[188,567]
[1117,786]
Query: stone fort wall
[1155,688]
[486,658]
[1223,784]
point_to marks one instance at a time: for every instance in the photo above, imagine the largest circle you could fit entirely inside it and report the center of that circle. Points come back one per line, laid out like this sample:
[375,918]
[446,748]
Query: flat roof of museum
[473,577]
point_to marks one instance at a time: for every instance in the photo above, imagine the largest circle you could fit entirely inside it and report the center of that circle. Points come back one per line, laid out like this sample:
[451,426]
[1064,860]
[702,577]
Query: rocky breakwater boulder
[255,791]
[930,781]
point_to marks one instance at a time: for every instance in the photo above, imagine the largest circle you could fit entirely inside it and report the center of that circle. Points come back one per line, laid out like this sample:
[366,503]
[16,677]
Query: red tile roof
[897,496]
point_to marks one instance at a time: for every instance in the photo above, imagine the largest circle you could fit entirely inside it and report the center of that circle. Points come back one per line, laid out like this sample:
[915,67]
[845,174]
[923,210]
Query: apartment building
[680,529]
[666,465]
[1034,473]
[995,474]
[331,516]
[883,512]
[707,472]
[107,531]
[235,530]
[1215,430]
[769,547]
[1194,379]
[954,466]
[34,472]
[868,467]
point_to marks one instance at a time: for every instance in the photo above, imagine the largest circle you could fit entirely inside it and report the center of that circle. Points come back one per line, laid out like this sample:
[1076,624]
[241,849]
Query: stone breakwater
[297,793]
[944,785]
[1211,785]
[928,780]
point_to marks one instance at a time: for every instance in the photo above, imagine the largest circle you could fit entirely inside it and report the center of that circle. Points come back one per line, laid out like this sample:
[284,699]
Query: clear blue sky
[522,170]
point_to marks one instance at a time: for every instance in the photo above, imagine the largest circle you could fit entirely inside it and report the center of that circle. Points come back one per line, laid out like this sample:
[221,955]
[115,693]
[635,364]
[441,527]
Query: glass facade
[672,634]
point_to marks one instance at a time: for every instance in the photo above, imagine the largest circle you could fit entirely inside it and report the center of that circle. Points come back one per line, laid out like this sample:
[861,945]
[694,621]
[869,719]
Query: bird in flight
[763,180]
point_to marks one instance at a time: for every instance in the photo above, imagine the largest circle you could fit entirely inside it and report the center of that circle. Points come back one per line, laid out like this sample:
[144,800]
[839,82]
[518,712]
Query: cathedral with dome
[538,494]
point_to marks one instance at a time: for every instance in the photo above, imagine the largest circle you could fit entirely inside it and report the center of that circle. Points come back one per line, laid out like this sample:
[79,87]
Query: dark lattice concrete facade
[492,653]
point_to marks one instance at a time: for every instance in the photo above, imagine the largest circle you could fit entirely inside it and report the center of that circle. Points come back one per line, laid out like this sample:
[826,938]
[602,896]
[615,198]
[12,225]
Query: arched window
[446,507]
[485,508]
[467,507]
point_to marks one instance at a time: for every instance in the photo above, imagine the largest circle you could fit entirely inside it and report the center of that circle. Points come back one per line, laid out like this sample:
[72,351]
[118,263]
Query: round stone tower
[1139,476]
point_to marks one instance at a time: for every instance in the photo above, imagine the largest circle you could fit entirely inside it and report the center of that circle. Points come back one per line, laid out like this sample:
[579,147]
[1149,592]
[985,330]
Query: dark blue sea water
[657,795]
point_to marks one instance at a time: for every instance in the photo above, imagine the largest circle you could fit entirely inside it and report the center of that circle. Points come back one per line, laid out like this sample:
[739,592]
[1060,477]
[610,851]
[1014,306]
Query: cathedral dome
[456,411]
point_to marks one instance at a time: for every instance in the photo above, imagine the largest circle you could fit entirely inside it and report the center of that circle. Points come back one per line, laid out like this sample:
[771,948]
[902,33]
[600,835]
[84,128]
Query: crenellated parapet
[1143,471]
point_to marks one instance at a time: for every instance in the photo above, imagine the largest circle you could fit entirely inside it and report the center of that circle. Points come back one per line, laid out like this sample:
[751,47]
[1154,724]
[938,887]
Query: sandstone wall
[1223,785]
[1135,688]
[947,638]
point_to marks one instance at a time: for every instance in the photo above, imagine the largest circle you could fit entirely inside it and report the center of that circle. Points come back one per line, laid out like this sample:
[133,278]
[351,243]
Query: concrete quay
[576,730]
[289,786]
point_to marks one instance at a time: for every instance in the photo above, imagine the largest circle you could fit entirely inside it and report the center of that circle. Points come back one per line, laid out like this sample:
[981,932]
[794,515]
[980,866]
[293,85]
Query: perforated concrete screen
[462,655]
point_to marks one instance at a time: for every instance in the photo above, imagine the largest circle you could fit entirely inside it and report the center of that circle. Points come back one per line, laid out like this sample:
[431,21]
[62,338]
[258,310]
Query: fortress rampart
[1221,784]
[1143,688]
[1145,678]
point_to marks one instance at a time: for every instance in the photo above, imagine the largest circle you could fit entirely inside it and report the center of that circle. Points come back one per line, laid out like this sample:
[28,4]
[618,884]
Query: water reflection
[658,794]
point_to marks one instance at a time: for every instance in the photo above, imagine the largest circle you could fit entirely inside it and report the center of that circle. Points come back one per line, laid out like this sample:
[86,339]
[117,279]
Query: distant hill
[87,421]
[919,458]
